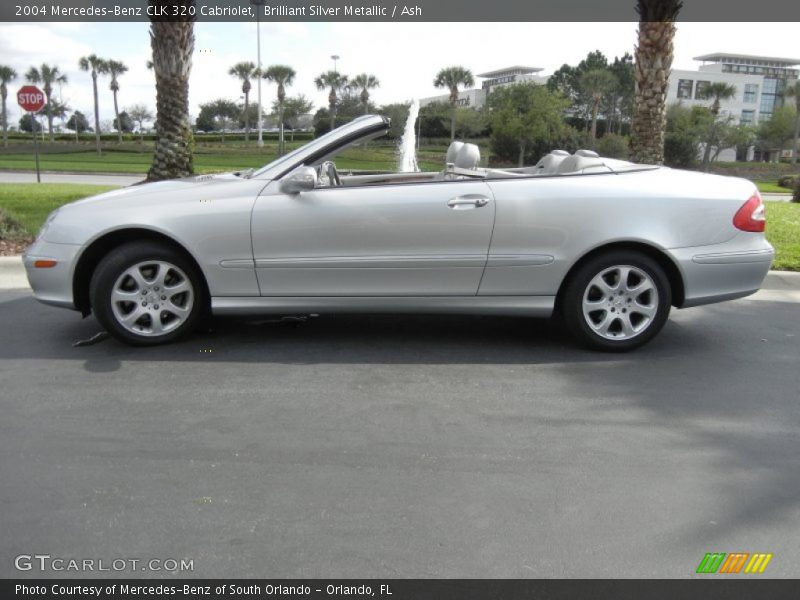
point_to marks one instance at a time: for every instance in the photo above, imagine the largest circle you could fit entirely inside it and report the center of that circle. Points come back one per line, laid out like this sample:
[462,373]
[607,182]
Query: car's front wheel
[617,301]
[146,293]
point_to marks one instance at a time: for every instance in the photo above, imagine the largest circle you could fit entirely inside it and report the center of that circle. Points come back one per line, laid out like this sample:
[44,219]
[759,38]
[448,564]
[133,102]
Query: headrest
[587,153]
[578,162]
[452,152]
[468,157]
[549,163]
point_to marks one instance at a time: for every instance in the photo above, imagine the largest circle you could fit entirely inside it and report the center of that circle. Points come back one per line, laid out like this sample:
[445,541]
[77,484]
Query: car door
[404,239]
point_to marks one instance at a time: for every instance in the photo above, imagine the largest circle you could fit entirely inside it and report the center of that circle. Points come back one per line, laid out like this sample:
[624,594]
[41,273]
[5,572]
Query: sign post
[32,100]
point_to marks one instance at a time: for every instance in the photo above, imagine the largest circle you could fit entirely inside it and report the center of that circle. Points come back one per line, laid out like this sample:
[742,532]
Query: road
[83,178]
[405,447]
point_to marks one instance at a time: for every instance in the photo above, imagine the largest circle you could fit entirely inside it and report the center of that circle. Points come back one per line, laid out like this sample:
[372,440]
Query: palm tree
[140,113]
[654,53]
[244,71]
[791,92]
[47,75]
[718,91]
[172,43]
[597,83]
[365,82]
[451,78]
[97,66]
[335,81]
[7,75]
[115,69]
[284,77]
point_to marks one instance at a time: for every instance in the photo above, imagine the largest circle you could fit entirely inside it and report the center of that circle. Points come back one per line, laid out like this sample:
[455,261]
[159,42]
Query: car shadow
[36,331]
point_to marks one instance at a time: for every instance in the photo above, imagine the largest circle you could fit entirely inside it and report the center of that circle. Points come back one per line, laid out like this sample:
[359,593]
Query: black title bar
[416,11]
[709,588]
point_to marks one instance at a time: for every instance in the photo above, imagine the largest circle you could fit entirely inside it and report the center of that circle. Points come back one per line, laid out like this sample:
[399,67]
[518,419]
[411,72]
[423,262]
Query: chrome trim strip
[374,262]
[532,306]
[237,263]
[729,258]
[519,260]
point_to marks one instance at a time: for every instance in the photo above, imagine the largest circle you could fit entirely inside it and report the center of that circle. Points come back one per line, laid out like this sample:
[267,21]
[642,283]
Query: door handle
[468,201]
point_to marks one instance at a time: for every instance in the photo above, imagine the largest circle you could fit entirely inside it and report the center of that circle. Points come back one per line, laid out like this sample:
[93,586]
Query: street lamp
[258,4]
[335,57]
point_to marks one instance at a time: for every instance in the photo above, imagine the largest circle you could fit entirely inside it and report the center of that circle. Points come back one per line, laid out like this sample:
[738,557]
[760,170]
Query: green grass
[770,187]
[208,158]
[783,232]
[29,203]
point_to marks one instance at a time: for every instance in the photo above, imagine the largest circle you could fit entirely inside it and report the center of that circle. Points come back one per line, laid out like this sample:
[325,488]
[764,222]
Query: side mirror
[302,179]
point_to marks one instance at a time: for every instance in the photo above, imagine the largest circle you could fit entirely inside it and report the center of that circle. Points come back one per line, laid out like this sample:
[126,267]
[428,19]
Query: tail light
[751,216]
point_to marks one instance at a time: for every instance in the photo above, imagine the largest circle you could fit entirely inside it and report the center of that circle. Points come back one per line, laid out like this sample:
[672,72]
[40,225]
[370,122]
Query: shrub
[788,181]
[612,145]
[680,150]
[10,229]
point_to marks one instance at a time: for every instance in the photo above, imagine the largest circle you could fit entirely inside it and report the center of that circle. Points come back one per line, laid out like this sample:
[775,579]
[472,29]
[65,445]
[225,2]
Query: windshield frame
[368,126]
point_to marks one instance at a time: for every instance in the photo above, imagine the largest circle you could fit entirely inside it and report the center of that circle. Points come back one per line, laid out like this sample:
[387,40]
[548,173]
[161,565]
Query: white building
[759,82]
[476,98]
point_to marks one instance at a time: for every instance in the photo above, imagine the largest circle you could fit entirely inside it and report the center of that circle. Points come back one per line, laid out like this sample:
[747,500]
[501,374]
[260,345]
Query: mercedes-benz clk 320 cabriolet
[607,244]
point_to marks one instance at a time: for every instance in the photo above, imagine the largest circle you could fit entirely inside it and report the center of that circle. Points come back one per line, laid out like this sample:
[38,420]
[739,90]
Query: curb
[12,273]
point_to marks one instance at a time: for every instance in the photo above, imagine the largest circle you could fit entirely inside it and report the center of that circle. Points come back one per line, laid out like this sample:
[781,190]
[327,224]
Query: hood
[160,187]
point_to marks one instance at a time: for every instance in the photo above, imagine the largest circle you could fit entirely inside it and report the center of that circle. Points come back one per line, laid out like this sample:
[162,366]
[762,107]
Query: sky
[404,56]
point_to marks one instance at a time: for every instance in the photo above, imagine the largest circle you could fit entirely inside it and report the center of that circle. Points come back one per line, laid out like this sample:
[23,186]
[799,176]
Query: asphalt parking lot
[404,446]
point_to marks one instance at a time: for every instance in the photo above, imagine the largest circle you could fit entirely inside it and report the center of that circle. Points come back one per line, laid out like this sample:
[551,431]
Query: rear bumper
[725,271]
[52,285]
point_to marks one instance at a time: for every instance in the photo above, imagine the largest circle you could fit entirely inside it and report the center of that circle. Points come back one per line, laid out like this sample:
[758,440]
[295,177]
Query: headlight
[46,224]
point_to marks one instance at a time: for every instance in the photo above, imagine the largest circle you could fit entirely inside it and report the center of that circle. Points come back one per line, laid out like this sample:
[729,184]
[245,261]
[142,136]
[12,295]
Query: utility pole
[258,4]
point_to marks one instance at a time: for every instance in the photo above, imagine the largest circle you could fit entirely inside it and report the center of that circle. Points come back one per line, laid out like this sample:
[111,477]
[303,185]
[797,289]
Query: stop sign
[31,98]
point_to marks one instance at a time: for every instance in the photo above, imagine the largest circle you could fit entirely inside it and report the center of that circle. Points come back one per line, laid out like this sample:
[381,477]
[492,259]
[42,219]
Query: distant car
[610,244]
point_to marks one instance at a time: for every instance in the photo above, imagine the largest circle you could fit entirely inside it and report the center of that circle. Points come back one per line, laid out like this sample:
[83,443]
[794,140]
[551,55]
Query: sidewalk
[776,197]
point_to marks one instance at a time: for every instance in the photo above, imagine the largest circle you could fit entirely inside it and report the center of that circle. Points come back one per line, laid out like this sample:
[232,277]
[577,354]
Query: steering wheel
[329,169]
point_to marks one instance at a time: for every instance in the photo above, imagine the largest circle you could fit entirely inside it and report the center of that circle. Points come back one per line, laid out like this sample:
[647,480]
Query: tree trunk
[281,145]
[332,106]
[794,148]
[453,124]
[4,95]
[654,54]
[49,115]
[707,156]
[96,113]
[521,161]
[119,123]
[247,117]
[172,43]
[595,108]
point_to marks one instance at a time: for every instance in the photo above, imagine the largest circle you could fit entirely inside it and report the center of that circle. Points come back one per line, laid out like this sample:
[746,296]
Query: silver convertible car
[608,245]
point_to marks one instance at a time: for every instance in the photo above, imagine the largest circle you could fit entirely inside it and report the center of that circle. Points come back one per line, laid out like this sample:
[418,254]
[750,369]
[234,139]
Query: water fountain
[408,143]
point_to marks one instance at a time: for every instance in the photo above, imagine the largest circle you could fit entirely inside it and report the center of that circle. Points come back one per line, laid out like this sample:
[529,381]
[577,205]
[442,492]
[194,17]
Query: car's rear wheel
[146,293]
[617,301]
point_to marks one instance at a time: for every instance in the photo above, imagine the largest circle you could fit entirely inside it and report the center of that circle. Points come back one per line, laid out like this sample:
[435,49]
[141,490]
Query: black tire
[612,264]
[120,260]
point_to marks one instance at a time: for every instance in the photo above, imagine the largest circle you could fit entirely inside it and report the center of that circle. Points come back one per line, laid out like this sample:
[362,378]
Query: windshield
[352,128]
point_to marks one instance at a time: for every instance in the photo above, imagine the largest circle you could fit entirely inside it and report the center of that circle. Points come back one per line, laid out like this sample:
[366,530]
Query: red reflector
[751,216]
[45,264]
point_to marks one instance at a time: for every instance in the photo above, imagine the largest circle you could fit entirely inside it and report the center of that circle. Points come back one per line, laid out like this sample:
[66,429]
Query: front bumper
[52,285]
